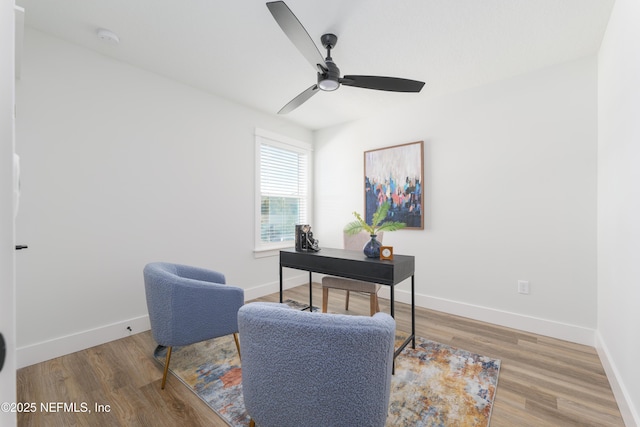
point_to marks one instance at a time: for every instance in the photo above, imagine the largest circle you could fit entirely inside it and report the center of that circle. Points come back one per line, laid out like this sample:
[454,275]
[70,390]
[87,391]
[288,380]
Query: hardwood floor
[543,381]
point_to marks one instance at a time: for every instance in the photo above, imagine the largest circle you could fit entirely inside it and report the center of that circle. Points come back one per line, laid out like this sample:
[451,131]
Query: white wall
[7,263]
[510,187]
[121,167]
[619,205]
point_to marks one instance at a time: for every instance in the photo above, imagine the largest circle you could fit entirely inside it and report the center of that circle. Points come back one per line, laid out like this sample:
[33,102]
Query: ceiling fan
[328,72]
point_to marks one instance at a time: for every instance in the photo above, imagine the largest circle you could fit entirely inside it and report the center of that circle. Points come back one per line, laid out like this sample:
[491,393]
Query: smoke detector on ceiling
[108,36]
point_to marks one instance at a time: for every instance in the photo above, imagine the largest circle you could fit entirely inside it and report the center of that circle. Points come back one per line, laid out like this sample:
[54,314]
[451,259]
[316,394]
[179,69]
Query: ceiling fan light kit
[328,72]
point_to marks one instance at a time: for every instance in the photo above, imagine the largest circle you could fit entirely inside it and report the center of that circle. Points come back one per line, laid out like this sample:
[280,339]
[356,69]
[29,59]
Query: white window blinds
[283,186]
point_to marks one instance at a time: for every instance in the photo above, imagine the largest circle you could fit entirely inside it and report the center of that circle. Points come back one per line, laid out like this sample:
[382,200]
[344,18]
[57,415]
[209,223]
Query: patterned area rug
[433,385]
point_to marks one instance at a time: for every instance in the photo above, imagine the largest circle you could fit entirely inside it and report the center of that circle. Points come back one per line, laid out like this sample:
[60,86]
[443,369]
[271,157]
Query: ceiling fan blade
[299,100]
[392,84]
[296,33]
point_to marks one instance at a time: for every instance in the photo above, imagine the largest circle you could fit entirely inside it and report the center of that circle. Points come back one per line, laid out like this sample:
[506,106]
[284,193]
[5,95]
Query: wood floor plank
[543,381]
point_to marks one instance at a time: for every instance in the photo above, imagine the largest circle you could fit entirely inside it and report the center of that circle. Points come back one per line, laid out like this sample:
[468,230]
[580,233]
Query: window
[283,170]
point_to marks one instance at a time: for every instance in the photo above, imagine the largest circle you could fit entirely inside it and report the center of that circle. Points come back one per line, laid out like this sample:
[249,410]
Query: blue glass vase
[372,248]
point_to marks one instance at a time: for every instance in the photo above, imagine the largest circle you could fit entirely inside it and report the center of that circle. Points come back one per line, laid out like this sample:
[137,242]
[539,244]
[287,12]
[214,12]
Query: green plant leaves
[360,224]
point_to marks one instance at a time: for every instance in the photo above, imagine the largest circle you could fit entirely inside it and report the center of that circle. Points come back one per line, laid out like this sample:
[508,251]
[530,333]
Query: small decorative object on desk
[386,253]
[372,248]
[304,239]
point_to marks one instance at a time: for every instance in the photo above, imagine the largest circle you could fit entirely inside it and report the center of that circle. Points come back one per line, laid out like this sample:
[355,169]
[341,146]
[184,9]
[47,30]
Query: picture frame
[396,174]
[386,253]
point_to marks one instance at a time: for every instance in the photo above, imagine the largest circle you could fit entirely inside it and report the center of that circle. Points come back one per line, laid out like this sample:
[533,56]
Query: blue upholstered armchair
[301,368]
[188,305]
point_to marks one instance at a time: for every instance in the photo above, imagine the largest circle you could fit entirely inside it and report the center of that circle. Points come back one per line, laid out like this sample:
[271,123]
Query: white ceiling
[236,50]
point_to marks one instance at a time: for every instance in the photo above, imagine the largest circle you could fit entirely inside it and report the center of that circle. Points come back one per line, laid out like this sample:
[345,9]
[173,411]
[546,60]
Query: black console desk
[355,265]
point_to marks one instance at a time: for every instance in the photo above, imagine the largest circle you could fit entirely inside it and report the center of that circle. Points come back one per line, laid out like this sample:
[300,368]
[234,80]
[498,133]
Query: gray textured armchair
[301,368]
[188,305]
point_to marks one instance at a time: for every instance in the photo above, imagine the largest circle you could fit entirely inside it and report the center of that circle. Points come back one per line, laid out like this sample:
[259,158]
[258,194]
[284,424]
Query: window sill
[269,252]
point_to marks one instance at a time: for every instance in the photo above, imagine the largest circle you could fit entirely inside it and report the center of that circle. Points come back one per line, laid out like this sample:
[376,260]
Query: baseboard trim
[46,350]
[549,328]
[60,346]
[56,347]
[273,287]
[625,404]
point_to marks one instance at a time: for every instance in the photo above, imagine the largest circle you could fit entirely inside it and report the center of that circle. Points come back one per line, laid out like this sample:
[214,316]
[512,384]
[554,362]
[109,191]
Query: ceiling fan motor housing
[330,79]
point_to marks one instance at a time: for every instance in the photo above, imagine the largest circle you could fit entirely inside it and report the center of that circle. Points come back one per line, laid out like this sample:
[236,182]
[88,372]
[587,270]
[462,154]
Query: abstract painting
[395,175]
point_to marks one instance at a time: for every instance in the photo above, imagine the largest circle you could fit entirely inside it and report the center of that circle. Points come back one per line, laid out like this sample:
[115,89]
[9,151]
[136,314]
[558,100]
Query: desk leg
[310,294]
[280,283]
[392,301]
[411,338]
[395,354]
[413,311]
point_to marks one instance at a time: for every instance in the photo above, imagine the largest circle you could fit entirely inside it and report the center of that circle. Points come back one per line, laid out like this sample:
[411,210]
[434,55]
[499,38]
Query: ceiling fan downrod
[329,78]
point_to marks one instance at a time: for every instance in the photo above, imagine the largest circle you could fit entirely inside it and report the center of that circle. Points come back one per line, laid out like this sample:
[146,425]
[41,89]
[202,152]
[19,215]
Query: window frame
[262,249]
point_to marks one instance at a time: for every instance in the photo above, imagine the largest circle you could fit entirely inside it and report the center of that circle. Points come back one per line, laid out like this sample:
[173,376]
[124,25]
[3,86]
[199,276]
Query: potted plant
[372,248]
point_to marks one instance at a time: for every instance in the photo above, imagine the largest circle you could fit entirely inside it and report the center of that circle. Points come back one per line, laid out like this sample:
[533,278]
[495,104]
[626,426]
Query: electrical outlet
[523,287]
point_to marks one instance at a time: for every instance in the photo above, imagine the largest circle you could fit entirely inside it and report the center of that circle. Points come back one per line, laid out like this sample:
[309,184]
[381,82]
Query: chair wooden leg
[252,423]
[235,338]
[346,302]
[377,303]
[325,299]
[373,301]
[166,367]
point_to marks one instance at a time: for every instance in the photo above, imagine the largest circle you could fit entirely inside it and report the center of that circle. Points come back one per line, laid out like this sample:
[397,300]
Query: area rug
[434,384]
